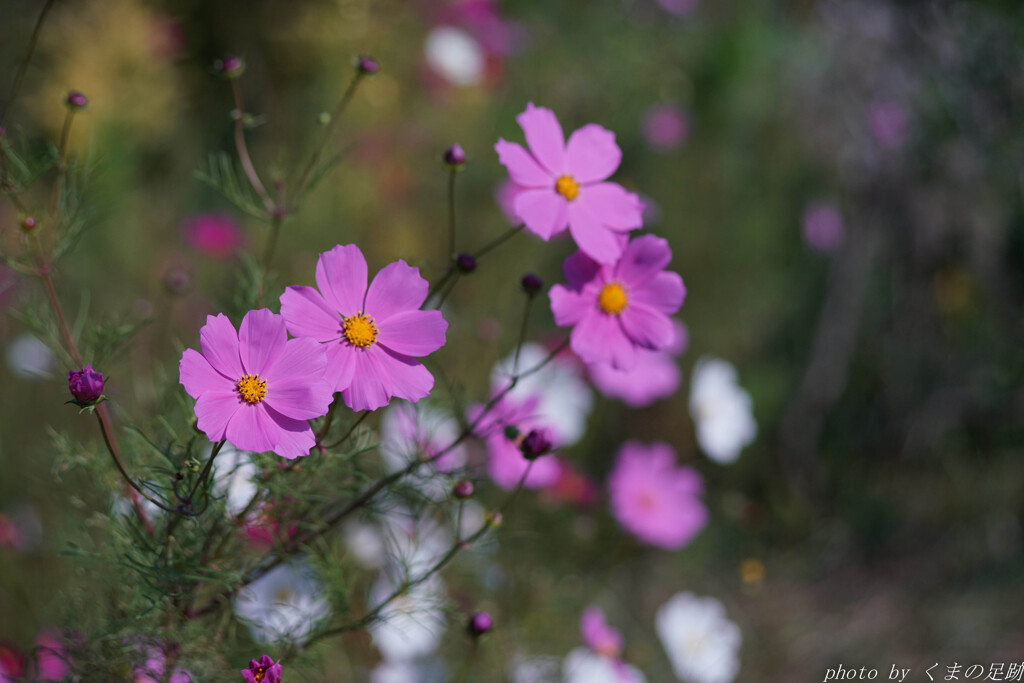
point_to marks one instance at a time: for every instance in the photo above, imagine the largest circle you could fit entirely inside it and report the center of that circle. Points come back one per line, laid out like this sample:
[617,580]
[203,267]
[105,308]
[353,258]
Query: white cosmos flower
[29,358]
[565,398]
[415,671]
[285,604]
[722,410]
[234,477]
[525,669]
[411,625]
[455,55]
[701,642]
[411,431]
[583,665]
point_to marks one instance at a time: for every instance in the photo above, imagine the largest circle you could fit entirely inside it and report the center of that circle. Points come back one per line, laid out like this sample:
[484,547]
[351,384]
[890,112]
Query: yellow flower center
[260,673]
[612,298]
[252,388]
[359,330]
[567,187]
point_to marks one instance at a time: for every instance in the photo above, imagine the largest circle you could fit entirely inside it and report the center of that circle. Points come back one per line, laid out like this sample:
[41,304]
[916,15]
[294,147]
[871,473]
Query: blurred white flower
[411,625]
[29,358]
[285,604]
[234,477]
[366,543]
[700,641]
[524,669]
[583,665]
[418,671]
[410,431]
[722,410]
[455,56]
[565,398]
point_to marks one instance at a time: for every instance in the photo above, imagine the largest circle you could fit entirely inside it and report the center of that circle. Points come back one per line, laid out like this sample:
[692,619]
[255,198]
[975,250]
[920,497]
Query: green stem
[20,77]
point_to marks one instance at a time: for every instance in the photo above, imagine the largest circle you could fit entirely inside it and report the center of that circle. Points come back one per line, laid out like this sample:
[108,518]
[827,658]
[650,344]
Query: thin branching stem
[20,76]
[243,150]
[314,160]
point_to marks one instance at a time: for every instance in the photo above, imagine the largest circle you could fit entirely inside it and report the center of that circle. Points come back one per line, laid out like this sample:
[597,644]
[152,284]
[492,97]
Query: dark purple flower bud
[463,489]
[466,263]
[366,64]
[536,443]
[76,101]
[231,66]
[176,281]
[511,432]
[532,284]
[455,156]
[480,623]
[86,385]
[28,223]
[262,670]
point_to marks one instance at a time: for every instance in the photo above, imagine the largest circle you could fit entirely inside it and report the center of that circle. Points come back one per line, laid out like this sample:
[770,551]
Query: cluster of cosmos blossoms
[359,341]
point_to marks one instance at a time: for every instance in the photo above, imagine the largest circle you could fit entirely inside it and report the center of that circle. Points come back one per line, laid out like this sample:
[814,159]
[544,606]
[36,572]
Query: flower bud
[480,623]
[86,385]
[532,284]
[511,432]
[231,66]
[28,223]
[463,489]
[176,281]
[536,443]
[76,101]
[466,263]
[455,157]
[367,65]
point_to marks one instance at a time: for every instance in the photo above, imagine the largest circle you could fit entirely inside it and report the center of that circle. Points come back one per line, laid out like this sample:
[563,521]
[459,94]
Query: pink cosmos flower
[153,670]
[51,658]
[263,670]
[215,234]
[563,184]
[665,127]
[374,334]
[655,500]
[598,635]
[655,375]
[616,309]
[256,388]
[506,464]
[10,533]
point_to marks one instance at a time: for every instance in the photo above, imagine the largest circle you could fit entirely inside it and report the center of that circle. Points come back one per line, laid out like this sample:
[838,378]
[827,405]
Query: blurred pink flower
[680,8]
[888,123]
[654,499]
[506,464]
[823,227]
[572,486]
[10,534]
[665,127]
[562,184]
[505,196]
[655,375]
[483,19]
[598,635]
[153,670]
[12,664]
[216,235]
[51,658]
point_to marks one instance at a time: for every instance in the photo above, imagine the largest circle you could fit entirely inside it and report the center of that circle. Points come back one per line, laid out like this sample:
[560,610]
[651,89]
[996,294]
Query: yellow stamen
[359,330]
[612,298]
[567,187]
[252,388]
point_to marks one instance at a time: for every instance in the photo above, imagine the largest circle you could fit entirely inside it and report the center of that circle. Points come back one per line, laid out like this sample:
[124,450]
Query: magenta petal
[219,343]
[396,288]
[198,376]
[664,292]
[647,327]
[544,212]
[592,236]
[251,429]
[643,257]
[341,365]
[598,338]
[568,306]
[591,154]
[544,136]
[370,387]
[341,278]
[214,410]
[579,269]
[261,337]
[304,358]
[300,399]
[523,169]
[409,378]
[307,314]
[618,209]
[413,333]
[294,437]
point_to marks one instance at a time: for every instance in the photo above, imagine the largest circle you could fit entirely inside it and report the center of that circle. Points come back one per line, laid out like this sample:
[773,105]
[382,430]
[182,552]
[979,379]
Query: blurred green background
[883,495]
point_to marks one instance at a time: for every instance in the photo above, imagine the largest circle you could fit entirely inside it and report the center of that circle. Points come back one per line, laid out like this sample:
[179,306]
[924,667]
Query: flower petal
[409,378]
[198,376]
[214,410]
[261,338]
[664,292]
[219,343]
[592,154]
[544,211]
[307,314]
[579,269]
[522,168]
[302,359]
[544,136]
[592,236]
[647,327]
[568,306]
[397,287]
[251,429]
[618,209]
[413,333]
[642,259]
[294,437]
[371,387]
[341,365]
[598,338]
[299,399]
[341,278]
